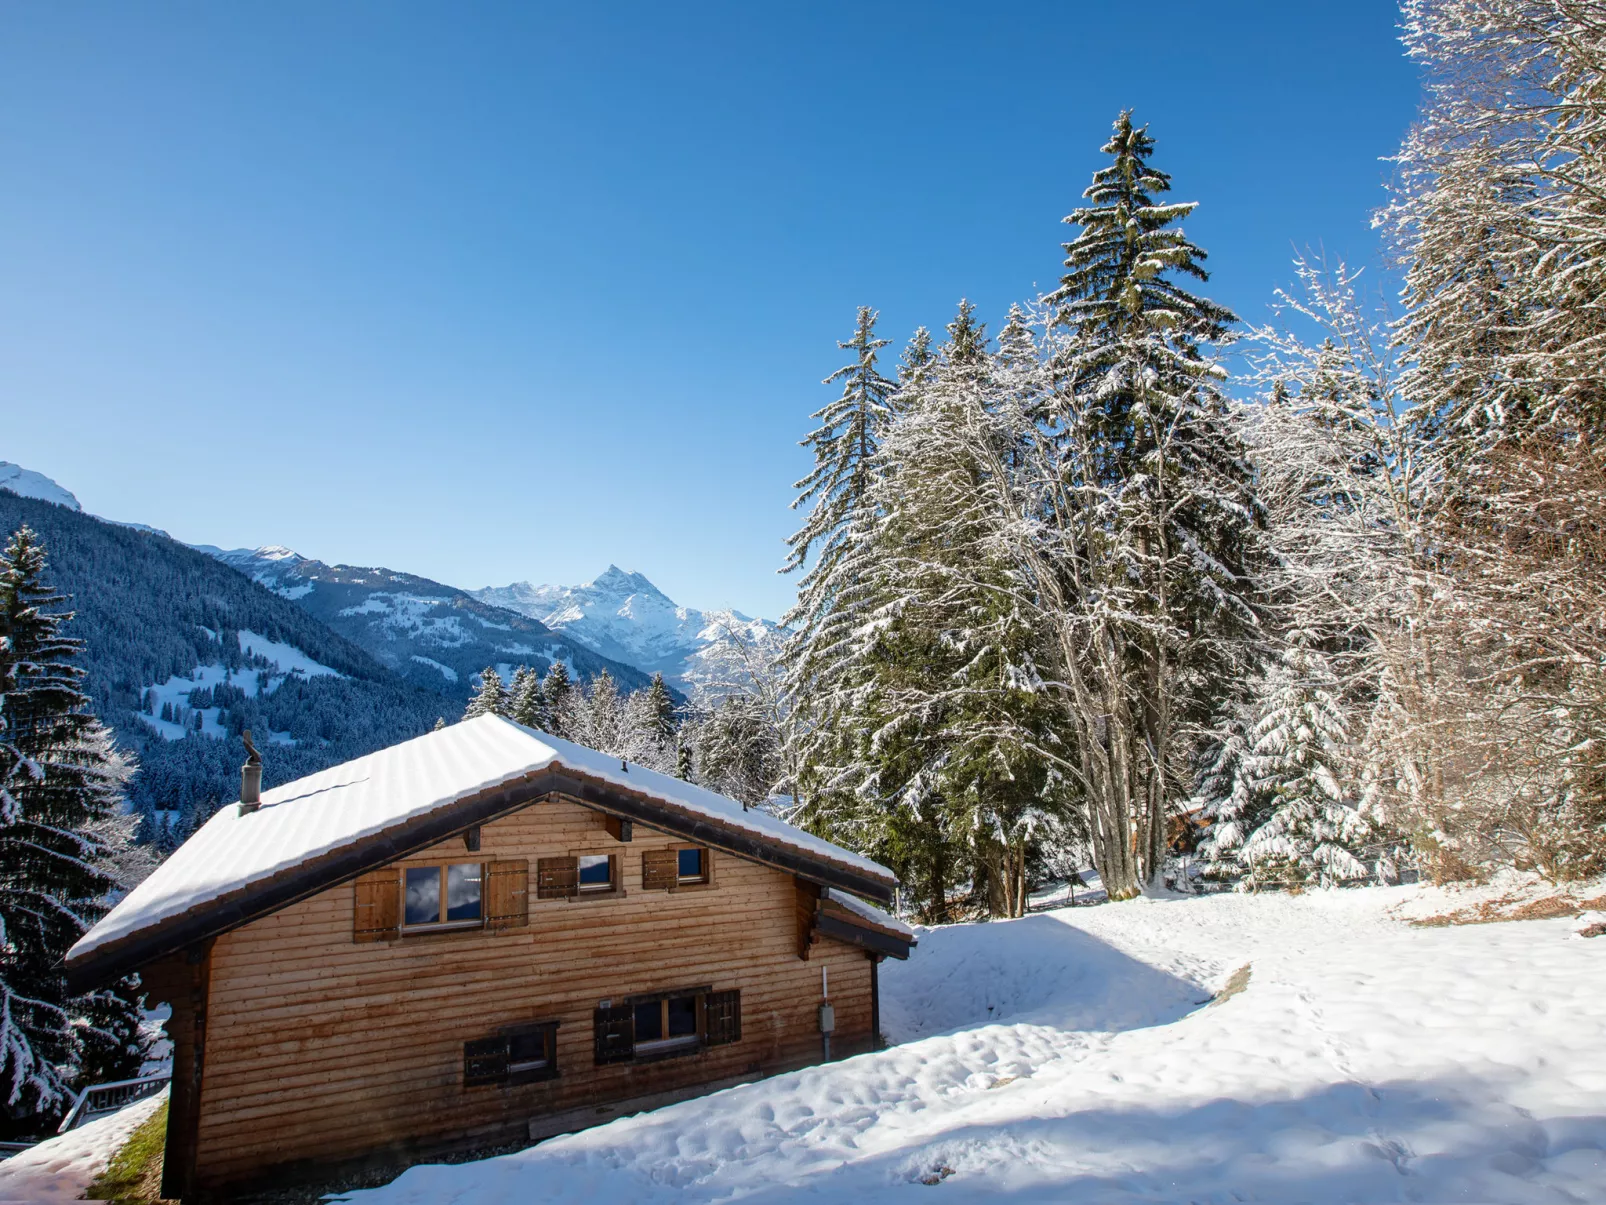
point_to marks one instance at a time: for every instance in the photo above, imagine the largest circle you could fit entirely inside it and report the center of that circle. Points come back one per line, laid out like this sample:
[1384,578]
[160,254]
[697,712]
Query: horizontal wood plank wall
[320,1048]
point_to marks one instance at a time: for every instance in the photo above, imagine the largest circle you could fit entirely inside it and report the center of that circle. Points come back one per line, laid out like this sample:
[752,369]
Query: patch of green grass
[134,1176]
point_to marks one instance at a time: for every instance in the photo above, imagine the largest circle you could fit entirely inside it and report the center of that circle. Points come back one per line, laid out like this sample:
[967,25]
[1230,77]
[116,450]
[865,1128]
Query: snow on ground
[61,1168]
[445,671]
[284,659]
[1069,1057]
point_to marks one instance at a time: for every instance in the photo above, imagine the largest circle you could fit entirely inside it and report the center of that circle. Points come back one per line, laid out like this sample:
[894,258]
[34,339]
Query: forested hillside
[151,609]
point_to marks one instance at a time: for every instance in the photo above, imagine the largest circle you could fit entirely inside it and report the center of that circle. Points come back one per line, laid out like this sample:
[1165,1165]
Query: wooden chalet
[479,936]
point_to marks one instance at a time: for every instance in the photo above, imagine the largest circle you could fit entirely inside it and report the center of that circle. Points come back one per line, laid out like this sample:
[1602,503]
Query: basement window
[666,1025]
[519,1054]
[437,896]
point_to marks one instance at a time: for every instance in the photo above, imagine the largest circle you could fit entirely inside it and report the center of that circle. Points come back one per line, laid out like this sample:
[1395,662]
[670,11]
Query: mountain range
[188,645]
[431,635]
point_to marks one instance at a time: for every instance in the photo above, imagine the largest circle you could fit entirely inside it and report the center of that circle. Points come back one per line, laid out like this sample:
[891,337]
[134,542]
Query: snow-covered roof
[346,805]
[869,912]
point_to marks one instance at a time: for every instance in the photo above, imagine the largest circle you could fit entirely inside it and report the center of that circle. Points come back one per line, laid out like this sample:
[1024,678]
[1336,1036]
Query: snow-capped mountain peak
[624,616]
[29,484]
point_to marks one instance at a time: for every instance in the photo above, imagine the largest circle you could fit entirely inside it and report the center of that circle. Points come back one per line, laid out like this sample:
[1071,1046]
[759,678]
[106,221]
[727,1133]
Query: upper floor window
[596,872]
[443,895]
[692,866]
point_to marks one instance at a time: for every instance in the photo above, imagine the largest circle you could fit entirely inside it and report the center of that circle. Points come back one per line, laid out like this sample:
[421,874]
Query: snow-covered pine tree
[527,701]
[58,835]
[557,691]
[1309,829]
[739,750]
[969,743]
[1157,523]
[844,445]
[490,695]
[662,713]
[914,368]
[820,736]
[602,717]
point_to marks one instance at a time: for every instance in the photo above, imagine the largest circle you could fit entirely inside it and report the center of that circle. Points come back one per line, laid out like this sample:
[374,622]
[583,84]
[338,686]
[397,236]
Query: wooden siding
[320,1048]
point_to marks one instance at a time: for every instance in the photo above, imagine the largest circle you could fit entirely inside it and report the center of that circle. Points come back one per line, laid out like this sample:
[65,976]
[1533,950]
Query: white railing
[97,1100]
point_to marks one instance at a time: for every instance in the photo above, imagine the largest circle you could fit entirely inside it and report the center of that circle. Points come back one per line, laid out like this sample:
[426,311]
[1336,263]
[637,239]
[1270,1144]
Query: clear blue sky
[489,292]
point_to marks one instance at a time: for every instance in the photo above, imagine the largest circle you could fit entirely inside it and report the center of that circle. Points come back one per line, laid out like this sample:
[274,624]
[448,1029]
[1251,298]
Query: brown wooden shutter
[507,895]
[723,1011]
[485,1061]
[659,869]
[615,1030]
[378,912]
[557,878]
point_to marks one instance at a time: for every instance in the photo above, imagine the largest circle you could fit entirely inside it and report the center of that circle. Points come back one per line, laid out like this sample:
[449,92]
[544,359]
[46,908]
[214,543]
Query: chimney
[250,777]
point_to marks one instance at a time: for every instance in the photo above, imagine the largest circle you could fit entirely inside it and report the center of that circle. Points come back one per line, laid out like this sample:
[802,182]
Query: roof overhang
[234,909]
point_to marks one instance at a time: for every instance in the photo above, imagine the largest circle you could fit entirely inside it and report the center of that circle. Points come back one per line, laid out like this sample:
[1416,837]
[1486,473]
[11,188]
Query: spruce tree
[602,717]
[490,696]
[61,825]
[528,701]
[1165,534]
[557,691]
[844,445]
[661,713]
[1309,827]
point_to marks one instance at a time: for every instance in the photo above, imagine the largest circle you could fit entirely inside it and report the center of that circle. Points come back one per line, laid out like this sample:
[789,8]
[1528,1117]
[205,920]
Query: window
[666,1024]
[519,1054]
[596,872]
[443,895]
[692,866]
[676,867]
[577,875]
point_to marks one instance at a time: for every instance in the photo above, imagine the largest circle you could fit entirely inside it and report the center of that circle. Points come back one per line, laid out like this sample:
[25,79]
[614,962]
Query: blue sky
[489,292]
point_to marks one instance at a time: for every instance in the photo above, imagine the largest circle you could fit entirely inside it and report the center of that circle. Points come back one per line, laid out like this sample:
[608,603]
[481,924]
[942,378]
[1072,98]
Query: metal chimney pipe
[250,776]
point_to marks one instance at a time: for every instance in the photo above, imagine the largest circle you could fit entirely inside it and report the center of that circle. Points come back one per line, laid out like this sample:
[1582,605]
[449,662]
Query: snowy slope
[433,635]
[1068,1057]
[29,484]
[624,616]
[61,1168]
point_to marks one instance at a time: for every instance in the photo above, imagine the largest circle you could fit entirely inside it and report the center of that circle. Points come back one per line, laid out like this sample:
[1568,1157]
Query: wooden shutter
[378,912]
[556,878]
[724,1017]
[660,868]
[507,895]
[615,1030]
[485,1061]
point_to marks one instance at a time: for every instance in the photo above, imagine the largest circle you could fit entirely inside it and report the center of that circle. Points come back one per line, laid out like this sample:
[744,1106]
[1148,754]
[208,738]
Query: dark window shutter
[724,1012]
[507,895]
[484,1061]
[615,1033]
[659,869]
[557,878]
[378,913]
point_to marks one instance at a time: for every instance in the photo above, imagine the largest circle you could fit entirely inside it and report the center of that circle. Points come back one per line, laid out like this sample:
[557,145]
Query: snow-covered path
[1066,1058]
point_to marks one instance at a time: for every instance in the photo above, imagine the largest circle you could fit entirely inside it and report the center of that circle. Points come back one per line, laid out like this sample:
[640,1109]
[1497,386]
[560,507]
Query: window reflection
[690,864]
[423,895]
[596,873]
[463,891]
